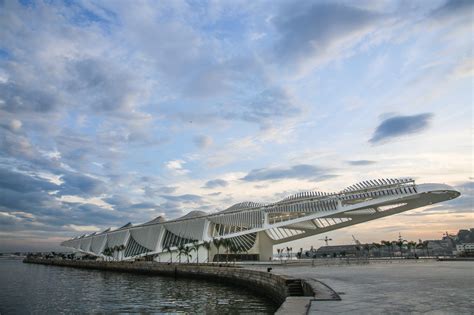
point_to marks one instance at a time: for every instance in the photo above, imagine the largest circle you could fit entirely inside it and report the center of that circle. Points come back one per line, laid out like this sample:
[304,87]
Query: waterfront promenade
[333,286]
[384,287]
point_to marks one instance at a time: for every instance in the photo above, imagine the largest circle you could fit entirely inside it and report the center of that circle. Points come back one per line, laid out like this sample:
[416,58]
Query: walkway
[399,287]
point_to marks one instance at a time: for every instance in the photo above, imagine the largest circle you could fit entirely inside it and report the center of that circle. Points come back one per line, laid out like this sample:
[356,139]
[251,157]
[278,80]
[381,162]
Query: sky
[121,111]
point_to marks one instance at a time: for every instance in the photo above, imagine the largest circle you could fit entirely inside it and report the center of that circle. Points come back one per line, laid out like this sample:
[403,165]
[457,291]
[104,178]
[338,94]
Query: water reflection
[28,288]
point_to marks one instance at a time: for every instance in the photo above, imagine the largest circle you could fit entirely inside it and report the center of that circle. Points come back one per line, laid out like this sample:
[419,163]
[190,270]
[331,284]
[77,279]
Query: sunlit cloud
[113,113]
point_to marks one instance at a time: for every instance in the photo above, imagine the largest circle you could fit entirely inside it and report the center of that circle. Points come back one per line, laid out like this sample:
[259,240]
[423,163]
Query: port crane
[326,240]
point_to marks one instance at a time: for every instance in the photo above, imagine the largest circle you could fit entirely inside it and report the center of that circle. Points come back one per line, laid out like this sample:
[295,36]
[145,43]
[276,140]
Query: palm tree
[107,252]
[181,250]
[217,243]
[227,244]
[400,243]
[234,249]
[367,248]
[207,246]
[419,245]
[187,252]
[412,247]
[196,246]
[377,246]
[120,248]
[389,245]
[168,249]
[426,245]
[114,249]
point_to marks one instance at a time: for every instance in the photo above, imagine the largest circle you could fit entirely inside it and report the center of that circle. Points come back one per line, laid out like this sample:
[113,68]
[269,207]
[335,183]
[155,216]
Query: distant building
[337,251]
[466,249]
[465,236]
[444,247]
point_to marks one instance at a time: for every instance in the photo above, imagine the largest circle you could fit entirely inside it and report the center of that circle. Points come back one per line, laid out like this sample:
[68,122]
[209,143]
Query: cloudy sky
[121,111]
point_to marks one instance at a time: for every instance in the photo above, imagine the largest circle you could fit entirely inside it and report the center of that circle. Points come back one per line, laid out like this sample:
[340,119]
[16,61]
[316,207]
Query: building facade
[251,229]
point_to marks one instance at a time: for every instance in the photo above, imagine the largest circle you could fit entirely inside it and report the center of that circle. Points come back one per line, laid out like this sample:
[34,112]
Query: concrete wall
[273,286]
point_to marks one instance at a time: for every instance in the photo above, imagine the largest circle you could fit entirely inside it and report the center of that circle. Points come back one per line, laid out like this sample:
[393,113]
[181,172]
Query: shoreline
[288,293]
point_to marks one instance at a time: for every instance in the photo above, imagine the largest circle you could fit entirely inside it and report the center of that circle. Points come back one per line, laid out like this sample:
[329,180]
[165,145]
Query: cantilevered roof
[193,214]
[377,183]
[158,219]
[129,224]
[243,205]
[305,194]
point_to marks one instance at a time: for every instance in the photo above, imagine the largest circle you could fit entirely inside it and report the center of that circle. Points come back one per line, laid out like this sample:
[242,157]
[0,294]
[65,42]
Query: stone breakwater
[278,288]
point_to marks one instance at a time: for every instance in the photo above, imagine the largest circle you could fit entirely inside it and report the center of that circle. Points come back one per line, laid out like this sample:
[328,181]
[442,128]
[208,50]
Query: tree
[227,243]
[196,246]
[181,250]
[217,243]
[234,249]
[207,246]
[107,252]
[187,252]
[367,248]
[376,246]
[168,249]
[389,245]
[427,246]
[120,248]
[412,247]
[400,243]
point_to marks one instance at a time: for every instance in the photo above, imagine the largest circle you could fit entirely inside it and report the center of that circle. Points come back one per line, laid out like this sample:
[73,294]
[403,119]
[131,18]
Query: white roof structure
[295,217]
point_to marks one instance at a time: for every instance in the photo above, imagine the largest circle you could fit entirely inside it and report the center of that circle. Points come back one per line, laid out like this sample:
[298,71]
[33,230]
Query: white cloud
[93,201]
[82,228]
[177,166]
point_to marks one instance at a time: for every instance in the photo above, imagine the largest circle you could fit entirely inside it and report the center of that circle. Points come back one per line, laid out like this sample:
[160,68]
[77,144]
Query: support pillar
[265,246]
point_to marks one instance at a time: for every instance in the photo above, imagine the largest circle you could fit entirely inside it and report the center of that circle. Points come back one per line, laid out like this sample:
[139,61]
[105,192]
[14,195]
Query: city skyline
[115,112]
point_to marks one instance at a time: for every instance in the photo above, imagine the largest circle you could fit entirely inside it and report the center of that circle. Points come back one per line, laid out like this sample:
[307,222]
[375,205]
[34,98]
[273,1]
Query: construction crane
[356,240]
[326,240]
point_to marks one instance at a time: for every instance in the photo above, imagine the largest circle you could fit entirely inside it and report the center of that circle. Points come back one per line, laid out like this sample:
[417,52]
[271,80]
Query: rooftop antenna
[326,240]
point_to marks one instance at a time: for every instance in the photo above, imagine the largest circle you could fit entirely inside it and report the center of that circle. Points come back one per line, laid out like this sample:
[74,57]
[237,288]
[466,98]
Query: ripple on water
[28,288]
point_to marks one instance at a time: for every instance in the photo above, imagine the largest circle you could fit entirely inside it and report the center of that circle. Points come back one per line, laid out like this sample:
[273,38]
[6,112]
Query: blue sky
[118,111]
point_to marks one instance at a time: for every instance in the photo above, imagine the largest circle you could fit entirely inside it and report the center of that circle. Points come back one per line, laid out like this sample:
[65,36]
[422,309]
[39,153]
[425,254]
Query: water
[30,288]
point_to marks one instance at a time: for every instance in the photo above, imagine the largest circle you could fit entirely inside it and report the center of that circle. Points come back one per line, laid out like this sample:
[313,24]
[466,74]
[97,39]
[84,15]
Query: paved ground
[399,287]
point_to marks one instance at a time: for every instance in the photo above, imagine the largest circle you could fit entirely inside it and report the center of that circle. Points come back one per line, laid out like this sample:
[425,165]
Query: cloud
[13,125]
[464,69]
[186,198]
[167,189]
[152,192]
[176,166]
[264,108]
[320,31]
[360,162]
[400,126]
[215,183]
[81,185]
[82,228]
[454,9]
[24,183]
[301,171]
[108,87]
[202,142]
